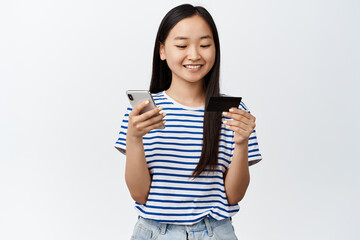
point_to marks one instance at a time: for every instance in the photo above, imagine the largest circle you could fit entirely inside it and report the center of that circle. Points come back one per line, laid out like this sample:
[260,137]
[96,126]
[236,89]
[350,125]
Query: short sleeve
[120,143]
[254,155]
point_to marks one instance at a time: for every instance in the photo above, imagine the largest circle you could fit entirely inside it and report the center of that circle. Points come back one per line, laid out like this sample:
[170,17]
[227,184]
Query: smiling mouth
[192,66]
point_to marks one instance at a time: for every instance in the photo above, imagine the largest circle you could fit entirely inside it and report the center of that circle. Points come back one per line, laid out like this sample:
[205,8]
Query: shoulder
[160,98]
[158,94]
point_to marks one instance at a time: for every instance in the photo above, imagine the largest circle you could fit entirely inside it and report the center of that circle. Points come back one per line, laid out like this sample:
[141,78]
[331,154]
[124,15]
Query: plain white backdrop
[65,67]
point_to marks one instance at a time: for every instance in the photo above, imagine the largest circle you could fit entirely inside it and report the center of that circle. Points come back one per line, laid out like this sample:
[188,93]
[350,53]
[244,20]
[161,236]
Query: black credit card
[222,104]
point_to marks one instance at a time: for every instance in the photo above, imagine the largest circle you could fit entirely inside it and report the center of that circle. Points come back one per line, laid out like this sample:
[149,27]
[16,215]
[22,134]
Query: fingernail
[224,113]
[147,102]
[231,110]
[164,121]
[164,114]
[160,107]
[225,122]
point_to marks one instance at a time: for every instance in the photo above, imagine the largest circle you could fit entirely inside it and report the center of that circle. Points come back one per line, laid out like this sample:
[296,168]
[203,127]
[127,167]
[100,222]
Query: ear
[162,51]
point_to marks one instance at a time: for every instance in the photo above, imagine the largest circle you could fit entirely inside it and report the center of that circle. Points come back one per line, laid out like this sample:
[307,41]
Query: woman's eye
[184,46]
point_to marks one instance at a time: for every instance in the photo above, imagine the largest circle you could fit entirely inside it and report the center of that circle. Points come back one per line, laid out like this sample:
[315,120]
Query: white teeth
[192,67]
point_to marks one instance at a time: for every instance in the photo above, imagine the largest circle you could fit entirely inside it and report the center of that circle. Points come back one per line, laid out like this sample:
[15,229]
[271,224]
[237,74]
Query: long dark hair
[161,80]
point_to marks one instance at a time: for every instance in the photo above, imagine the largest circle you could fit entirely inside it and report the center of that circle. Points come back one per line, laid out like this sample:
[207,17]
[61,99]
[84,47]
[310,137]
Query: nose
[193,54]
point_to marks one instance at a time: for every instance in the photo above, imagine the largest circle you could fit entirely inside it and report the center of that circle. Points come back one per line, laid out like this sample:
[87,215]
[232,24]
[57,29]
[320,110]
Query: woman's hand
[243,124]
[140,124]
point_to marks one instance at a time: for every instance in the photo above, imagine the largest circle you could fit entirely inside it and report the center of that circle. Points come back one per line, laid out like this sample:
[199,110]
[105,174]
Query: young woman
[188,178]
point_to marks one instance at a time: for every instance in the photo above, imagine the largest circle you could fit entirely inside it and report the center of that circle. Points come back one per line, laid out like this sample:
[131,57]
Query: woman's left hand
[242,123]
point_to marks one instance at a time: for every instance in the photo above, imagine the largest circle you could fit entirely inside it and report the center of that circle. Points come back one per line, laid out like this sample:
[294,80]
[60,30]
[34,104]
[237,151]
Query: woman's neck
[191,95]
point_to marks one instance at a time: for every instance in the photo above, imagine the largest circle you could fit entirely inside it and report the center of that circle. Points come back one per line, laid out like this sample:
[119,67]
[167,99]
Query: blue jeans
[206,229]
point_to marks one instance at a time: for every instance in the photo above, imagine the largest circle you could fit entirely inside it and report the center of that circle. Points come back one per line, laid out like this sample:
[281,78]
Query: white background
[64,69]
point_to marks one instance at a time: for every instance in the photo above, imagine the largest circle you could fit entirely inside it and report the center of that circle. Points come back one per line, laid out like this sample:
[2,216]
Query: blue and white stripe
[172,155]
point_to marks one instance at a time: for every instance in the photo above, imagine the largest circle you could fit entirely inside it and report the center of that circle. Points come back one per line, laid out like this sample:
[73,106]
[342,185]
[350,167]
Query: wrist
[242,144]
[133,139]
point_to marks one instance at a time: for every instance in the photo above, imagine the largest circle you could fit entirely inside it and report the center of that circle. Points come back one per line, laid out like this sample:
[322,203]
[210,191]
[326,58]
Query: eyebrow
[185,38]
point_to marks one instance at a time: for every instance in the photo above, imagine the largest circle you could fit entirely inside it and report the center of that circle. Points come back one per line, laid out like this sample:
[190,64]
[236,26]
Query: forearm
[137,175]
[237,177]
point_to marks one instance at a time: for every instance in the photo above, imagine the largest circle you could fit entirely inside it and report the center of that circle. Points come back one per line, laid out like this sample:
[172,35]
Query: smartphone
[222,104]
[137,96]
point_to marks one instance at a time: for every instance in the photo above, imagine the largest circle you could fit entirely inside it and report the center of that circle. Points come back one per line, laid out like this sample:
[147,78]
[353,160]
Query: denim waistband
[205,224]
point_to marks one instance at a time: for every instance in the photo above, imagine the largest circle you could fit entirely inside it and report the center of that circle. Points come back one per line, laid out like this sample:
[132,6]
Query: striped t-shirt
[172,155]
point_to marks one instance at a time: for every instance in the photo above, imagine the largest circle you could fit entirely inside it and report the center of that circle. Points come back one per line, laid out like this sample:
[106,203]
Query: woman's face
[189,50]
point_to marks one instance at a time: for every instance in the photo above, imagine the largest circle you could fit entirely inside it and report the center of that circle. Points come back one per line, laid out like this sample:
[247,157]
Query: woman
[181,177]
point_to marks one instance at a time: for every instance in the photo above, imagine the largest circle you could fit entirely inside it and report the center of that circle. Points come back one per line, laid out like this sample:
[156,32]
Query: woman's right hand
[140,124]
